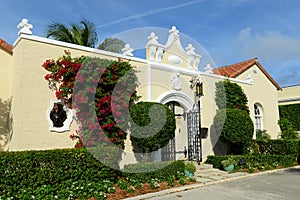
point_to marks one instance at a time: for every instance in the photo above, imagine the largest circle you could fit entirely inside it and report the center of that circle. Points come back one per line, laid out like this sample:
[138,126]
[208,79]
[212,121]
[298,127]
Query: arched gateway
[180,104]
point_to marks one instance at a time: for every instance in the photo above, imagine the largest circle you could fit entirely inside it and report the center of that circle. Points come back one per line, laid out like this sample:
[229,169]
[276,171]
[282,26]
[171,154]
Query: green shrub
[287,131]
[162,170]
[171,180]
[190,167]
[182,181]
[151,132]
[276,147]
[122,184]
[229,161]
[154,184]
[52,172]
[262,160]
[230,95]
[237,129]
[262,135]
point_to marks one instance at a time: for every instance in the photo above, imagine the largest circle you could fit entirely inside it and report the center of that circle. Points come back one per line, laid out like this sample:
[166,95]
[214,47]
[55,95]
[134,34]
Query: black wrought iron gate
[194,141]
[168,152]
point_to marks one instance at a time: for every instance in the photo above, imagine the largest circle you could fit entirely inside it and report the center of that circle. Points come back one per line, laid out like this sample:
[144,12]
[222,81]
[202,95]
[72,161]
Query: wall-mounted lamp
[199,89]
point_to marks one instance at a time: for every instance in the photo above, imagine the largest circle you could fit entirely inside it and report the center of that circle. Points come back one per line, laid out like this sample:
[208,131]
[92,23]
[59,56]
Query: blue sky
[229,30]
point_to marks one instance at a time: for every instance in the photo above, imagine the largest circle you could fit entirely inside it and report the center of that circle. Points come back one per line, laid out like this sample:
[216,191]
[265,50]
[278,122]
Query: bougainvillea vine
[108,104]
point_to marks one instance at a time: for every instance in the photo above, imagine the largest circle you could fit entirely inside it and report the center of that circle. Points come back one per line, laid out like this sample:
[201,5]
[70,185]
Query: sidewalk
[206,175]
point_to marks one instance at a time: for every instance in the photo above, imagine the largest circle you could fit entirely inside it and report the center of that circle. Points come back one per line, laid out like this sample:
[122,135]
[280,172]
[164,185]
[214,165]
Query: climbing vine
[67,71]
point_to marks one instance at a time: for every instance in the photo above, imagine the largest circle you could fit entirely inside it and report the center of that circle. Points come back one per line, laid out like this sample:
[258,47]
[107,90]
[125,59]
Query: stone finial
[174,31]
[193,58]
[127,50]
[152,39]
[25,27]
[190,49]
[156,50]
[208,69]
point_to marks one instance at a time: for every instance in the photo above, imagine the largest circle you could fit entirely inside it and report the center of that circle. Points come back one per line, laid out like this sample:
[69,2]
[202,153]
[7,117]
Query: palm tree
[112,45]
[83,33]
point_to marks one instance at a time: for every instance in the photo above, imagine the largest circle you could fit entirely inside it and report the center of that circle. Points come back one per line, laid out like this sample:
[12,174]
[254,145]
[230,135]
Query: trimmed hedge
[276,147]
[265,154]
[163,170]
[155,126]
[265,160]
[292,113]
[235,128]
[32,170]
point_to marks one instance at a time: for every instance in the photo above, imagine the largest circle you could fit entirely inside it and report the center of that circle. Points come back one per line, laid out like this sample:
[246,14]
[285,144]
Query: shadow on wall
[5,123]
[219,147]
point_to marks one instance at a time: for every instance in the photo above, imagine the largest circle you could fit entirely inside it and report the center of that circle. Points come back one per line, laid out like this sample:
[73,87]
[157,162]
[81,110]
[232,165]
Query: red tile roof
[235,70]
[5,46]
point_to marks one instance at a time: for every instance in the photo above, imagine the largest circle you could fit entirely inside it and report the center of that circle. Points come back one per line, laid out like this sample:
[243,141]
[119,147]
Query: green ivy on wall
[292,113]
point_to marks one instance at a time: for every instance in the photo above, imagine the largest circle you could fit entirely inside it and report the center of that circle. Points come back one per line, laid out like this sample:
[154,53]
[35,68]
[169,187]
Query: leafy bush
[237,129]
[229,161]
[276,147]
[230,95]
[155,126]
[292,114]
[154,170]
[53,172]
[264,161]
[190,167]
[287,131]
[262,135]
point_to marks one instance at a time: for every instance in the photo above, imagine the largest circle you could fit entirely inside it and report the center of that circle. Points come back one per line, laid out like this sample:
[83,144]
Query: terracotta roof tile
[5,46]
[235,70]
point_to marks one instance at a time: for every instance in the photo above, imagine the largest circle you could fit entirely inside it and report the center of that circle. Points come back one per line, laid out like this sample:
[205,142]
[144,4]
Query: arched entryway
[179,103]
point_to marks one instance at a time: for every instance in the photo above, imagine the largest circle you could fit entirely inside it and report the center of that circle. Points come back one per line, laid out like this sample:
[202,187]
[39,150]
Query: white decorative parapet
[193,58]
[25,27]
[209,69]
[155,49]
[174,35]
[127,50]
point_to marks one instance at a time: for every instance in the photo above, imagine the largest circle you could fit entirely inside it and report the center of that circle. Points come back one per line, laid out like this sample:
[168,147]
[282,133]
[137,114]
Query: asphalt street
[277,185]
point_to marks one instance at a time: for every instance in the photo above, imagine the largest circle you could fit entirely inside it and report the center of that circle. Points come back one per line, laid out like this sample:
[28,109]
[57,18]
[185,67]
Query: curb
[198,185]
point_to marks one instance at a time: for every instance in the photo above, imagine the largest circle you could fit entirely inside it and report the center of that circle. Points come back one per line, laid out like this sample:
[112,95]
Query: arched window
[258,115]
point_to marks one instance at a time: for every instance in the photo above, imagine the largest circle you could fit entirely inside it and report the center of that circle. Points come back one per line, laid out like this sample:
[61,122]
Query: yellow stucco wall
[32,96]
[5,75]
[5,94]
[289,95]
[262,92]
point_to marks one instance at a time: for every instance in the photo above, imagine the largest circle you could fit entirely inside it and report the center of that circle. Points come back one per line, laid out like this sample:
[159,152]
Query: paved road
[278,185]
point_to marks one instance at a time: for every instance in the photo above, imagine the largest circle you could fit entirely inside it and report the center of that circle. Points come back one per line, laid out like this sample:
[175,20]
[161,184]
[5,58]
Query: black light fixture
[199,89]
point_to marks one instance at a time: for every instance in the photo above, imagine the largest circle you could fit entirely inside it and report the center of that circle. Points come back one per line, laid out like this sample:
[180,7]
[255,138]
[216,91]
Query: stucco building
[165,76]
[289,95]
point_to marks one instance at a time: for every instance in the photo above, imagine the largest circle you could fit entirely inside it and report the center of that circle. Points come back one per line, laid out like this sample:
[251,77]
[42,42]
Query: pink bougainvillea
[66,70]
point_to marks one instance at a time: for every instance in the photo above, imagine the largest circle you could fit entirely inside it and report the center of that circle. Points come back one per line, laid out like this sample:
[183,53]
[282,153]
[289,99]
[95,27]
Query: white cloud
[271,45]
[279,53]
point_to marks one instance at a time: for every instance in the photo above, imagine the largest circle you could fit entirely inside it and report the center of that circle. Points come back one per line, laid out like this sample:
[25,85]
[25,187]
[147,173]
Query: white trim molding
[185,101]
